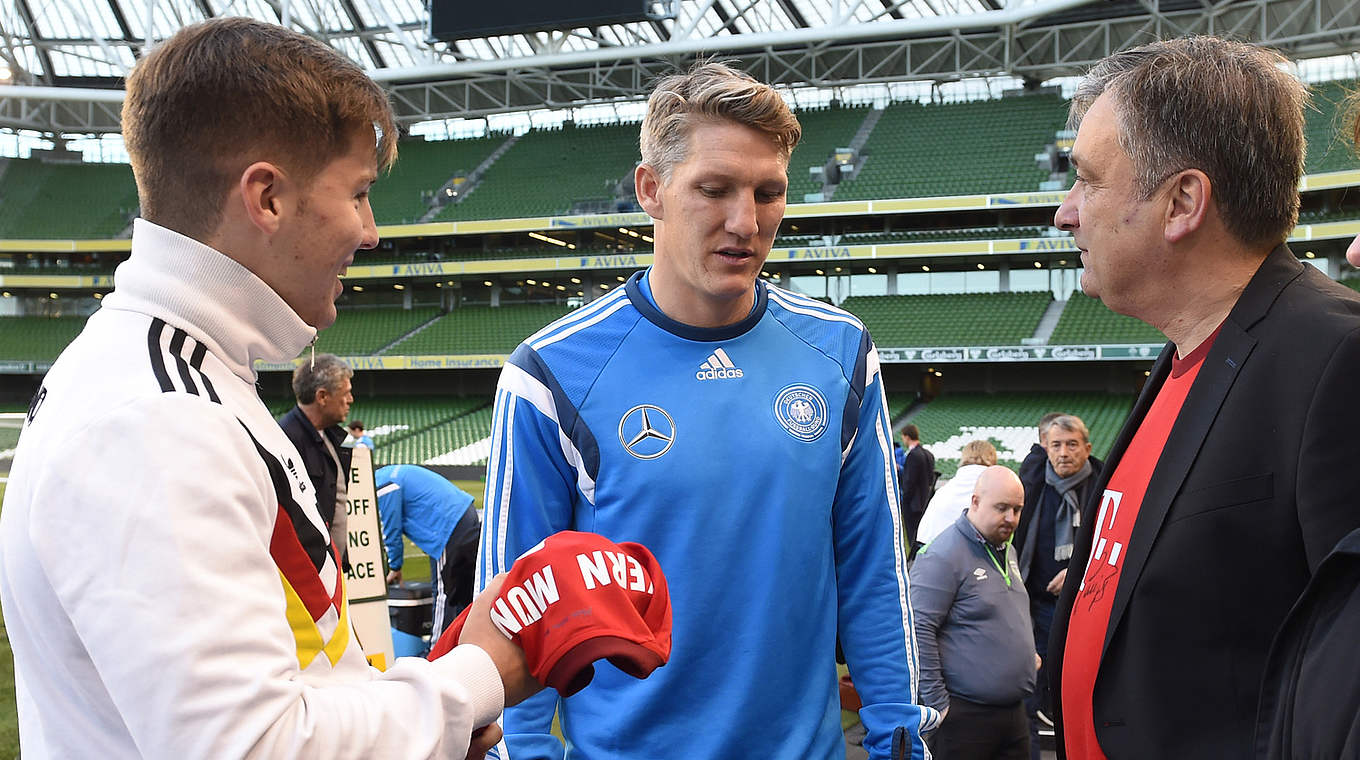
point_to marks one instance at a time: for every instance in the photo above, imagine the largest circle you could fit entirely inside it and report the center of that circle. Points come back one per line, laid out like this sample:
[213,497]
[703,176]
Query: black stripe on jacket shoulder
[153,343]
[177,351]
[196,361]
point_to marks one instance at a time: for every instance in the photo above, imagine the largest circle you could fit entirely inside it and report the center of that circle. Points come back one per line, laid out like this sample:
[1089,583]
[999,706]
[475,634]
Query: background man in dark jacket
[918,480]
[322,389]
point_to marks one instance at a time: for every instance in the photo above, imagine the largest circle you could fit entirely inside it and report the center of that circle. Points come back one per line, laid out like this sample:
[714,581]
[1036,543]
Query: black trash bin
[411,609]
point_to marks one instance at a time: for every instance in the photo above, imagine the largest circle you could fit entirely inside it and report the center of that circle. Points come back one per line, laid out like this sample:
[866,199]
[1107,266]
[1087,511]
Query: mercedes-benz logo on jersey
[801,409]
[646,431]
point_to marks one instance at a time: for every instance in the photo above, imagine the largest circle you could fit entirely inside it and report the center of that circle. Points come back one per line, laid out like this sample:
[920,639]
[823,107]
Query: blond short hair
[1226,108]
[711,92]
[978,452]
[222,94]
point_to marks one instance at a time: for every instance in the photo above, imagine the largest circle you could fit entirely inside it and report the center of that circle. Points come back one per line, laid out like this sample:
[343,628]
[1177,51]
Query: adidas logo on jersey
[719,366]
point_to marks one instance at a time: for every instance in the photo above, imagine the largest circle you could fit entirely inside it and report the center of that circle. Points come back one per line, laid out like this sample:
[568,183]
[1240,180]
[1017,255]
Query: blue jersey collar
[689,332]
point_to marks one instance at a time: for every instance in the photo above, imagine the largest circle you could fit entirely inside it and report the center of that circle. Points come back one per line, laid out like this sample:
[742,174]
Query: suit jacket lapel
[1221,367]
[1086,533]
[1229,352]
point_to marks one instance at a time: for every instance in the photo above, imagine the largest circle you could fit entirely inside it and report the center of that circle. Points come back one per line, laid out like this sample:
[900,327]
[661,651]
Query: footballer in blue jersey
[737,430]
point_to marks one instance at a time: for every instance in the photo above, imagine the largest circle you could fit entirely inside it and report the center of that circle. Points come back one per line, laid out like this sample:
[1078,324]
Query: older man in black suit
[1200,538]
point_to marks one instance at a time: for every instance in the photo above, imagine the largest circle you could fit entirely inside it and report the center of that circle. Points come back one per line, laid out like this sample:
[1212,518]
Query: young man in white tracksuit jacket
[169,587]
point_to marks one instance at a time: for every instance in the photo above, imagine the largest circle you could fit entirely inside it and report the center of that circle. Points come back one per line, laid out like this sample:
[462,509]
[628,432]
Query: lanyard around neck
[1005,573]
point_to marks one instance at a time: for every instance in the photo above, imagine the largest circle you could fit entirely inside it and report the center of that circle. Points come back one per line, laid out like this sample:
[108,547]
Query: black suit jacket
[1311,690]
[1254,487]
[918,478]
[321,469]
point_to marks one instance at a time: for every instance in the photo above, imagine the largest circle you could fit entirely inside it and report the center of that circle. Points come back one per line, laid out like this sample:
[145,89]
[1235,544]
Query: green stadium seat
[65,201]
[37,338]
[973,319]
[985,146]
[824,130]
[422,167]
[361,331]
[1087,320]
[479,330]
[549,170]
[1325,128]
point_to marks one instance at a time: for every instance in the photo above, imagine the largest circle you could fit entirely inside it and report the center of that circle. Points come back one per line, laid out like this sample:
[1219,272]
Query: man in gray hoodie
[973,627]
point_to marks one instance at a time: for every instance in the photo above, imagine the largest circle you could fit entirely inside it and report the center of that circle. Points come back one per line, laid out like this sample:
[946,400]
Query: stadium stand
[37,338]
[928,150]
[1087,320]
[360,332]
[479,330]
[976,319]
[63,201]
[898,403]
[415,429]
[463,440]
[1009,420]
[824,130]
[1328,150]
[422,167]
[549,171]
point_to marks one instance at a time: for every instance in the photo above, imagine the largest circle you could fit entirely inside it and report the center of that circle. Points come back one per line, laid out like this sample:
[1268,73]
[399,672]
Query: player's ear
[647,182]
[260,189]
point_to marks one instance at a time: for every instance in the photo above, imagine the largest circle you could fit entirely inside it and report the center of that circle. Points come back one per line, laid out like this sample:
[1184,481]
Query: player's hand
[1038,661]
[506,654]
[483,739]
[394,577]
[1055,585]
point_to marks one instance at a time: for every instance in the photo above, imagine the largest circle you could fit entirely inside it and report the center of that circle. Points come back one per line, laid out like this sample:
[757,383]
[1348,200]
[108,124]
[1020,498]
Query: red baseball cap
[576,598]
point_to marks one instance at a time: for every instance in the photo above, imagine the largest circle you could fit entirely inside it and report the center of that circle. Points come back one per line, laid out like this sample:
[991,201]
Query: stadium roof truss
[64,60]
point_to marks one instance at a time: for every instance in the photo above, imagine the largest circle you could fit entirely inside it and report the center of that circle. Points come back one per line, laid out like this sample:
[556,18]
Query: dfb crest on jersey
[801,409]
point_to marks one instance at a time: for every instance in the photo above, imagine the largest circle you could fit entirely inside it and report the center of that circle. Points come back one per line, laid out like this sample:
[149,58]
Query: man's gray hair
[1228,109]
[1072,424]
[326,371]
